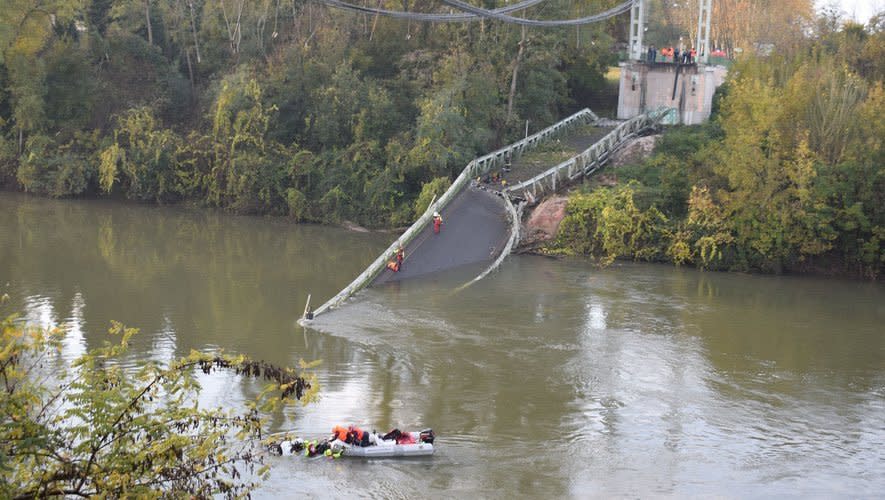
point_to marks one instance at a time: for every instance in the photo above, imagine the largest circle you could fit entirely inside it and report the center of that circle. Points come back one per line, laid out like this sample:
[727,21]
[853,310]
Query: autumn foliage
[788,176]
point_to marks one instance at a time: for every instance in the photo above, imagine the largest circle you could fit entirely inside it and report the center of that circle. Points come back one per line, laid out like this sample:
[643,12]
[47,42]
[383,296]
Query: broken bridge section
[588,162]
[475,228]
[481,222]
[473,219]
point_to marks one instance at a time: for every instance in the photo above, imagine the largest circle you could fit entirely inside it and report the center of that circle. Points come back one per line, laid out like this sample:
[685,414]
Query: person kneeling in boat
[351,435]
[399,437]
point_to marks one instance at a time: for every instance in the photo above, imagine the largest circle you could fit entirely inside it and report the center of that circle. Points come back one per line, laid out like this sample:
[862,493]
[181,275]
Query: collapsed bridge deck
[475,229]
[481,223]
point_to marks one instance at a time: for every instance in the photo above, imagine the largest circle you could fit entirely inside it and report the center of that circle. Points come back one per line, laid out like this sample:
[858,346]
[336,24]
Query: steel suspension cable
[614,11]
[471,13]
[428,17]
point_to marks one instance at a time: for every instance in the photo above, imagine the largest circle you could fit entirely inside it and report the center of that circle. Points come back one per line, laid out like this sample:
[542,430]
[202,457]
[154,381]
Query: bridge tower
[637,28]
[649,84]
[706,10]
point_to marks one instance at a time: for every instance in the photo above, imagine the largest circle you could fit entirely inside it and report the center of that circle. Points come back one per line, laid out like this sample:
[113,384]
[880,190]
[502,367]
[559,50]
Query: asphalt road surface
[475,229]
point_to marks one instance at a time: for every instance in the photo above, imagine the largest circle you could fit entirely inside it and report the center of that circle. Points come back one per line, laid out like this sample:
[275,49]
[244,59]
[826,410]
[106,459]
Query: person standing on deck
[437,222]
[400,256]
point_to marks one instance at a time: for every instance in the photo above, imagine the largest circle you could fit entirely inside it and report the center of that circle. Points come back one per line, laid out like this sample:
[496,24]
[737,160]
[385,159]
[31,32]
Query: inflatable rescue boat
[412,444]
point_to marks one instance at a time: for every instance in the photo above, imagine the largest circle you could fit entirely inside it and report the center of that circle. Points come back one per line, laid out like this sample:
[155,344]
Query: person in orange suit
[437,222]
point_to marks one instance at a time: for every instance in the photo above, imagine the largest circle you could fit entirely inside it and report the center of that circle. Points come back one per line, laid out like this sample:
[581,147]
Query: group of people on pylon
[670,54]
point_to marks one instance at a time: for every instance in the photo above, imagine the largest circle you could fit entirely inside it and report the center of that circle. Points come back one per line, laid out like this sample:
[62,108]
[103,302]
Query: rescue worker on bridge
[437,222]
[397,263]
[400,256]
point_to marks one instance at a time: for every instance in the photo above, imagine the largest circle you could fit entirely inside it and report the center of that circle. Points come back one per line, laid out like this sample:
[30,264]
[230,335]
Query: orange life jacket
[356,431]
[340,433]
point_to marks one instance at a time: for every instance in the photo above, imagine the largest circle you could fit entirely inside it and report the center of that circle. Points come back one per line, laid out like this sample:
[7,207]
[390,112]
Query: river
[550,378]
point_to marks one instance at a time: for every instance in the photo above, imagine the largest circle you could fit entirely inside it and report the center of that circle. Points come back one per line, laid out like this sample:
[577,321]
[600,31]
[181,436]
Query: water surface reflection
[550,378]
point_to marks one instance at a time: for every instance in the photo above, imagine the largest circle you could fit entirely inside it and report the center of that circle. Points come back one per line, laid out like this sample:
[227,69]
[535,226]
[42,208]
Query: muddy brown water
[550,378]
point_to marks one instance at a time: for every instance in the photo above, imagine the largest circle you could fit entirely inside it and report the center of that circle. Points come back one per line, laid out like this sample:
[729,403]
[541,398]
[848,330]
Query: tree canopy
[274,107]
[97,426]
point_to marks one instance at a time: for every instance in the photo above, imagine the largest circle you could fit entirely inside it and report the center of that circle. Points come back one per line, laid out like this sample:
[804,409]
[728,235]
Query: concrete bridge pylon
[648,83]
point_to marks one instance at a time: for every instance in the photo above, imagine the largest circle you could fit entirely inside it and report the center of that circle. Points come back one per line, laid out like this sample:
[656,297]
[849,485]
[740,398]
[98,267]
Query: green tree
[336,108]
[769,195]
[57,170]
[429,192]
[711,232]
[441,145]
[249,171]
[606,224]
[27,28]
[95,428]
[142,157]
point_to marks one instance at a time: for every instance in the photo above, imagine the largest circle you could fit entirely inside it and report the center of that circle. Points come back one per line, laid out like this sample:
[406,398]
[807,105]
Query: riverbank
[540,236]
[671,199]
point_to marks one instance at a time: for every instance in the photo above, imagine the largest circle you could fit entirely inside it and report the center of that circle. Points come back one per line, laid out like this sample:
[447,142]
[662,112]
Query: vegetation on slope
[264,107]
[99,426]
[787,176]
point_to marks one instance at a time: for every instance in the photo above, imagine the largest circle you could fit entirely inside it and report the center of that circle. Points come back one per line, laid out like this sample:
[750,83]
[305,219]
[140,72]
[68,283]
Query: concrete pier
[688,88]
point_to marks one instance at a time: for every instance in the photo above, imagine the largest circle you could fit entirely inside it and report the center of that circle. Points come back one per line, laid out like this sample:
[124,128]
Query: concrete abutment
[687,88]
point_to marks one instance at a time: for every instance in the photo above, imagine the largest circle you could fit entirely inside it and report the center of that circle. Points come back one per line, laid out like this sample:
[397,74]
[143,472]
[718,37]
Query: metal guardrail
[477,167]
[515,215]
[588,161]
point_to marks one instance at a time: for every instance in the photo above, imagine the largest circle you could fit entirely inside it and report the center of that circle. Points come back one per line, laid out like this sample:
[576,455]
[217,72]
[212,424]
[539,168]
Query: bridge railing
[477,167]
[588,161]
[515,214]
[504,156]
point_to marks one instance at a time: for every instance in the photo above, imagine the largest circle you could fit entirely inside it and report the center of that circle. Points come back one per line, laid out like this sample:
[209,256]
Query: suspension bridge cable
[614,11]
[471,13]
[428,17]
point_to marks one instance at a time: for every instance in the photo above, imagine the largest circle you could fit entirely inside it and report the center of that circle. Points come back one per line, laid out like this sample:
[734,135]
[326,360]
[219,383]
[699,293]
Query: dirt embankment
[634,151]
[542,222]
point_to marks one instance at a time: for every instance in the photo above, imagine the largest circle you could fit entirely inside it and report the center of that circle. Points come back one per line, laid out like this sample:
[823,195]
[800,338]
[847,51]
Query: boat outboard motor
[426,436]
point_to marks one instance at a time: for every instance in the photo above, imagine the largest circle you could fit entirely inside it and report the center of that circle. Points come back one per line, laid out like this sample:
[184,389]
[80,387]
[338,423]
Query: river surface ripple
[550,378]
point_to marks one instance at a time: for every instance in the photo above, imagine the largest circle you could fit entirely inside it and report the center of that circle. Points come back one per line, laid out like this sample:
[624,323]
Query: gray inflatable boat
[411,444]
